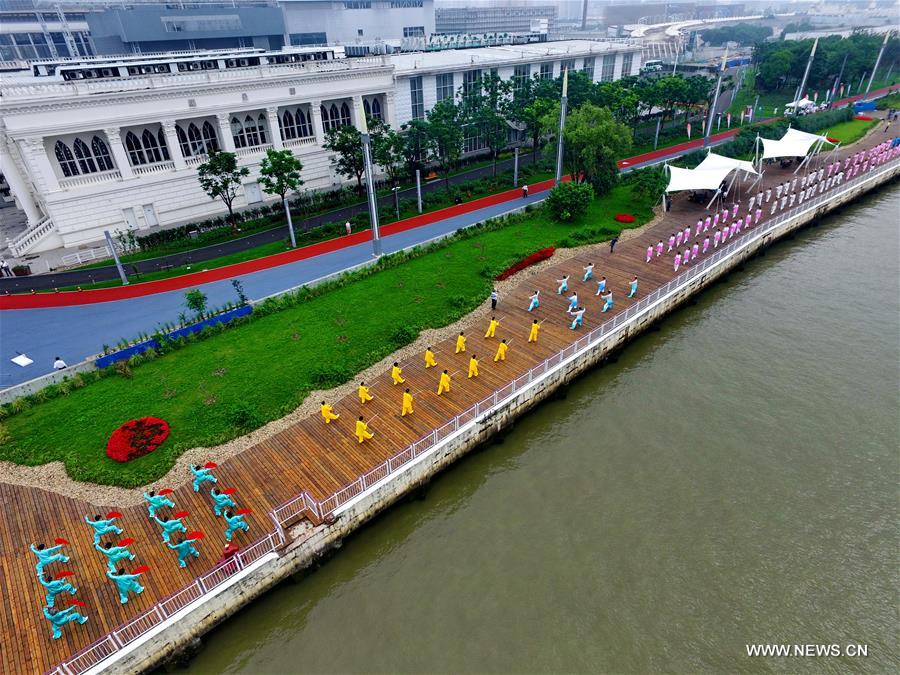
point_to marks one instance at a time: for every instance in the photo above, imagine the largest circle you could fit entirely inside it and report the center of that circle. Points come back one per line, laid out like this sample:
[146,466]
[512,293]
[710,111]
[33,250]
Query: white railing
[158,167]
[89,179]
[196,160]
[294,142]
[107,646]
[255,150]
[79,257]
[24,241]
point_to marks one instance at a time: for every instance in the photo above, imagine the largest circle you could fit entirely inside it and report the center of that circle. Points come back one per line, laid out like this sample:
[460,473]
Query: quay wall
[306,543]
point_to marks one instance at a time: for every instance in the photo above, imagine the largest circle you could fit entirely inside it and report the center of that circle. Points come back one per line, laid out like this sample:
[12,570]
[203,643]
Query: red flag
[128,541]
[181,514]
[77,603]
[210,465]
[242,512]
[64,574]
[194,535]
[229,491]
[60,540]
[140,569]
[114,514]
[166,491]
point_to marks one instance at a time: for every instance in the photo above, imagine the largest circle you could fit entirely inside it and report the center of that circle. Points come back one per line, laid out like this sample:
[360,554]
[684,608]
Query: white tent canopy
[794,143]
[714,161]
[696,179]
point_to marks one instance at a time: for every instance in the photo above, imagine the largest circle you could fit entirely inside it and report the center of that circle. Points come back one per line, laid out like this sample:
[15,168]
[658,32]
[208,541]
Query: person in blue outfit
[633,288]
[222,501]
[601,286]
[535,301]
[235,522]
[170,527]
[54,587]
[202,475]
[46,556]
[114,554]
[156,502]
[102,526]
[588,272]
[185,549]
[62,617]
[125,583]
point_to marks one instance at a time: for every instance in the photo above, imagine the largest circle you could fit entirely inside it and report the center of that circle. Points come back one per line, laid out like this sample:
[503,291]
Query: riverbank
[492,411]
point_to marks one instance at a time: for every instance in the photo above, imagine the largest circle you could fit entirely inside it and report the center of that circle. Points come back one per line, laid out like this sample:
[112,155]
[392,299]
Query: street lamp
[370,183]
[563,103]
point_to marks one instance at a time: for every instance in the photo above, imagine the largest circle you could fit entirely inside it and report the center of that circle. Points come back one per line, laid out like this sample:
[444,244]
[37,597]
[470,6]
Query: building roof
[452,59]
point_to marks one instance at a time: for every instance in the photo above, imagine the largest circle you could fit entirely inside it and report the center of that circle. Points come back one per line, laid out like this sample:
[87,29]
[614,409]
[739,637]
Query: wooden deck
[310,455]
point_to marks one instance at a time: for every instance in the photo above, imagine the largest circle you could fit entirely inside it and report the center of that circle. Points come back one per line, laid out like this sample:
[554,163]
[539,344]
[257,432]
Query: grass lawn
[890,101]
[216,389]
[851,131]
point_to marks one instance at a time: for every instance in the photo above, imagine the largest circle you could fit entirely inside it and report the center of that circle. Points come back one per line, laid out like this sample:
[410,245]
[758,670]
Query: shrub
[404,335]
[330,376]
[568,201]
[136,438]
[243,416]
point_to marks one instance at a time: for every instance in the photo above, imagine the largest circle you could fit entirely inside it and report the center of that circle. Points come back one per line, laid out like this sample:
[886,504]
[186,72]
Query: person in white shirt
[59,364]
[348,227]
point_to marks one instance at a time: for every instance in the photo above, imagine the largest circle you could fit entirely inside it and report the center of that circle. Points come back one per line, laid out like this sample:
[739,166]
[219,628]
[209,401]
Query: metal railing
[107,646]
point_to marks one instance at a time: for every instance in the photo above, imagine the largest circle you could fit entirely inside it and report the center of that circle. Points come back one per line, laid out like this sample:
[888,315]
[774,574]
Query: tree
[220,177]
[568,201]
[388,152]
[196,300]
[593,140]
[345,141]
[487,108]
[279,173]
[532,103]
[445,136]
[415,144]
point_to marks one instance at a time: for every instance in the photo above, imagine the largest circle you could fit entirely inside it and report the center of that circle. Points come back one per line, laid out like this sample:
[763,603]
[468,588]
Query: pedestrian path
[310,455]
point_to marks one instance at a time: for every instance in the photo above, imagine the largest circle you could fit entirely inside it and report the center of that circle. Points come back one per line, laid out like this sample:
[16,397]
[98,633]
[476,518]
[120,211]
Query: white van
[652,66]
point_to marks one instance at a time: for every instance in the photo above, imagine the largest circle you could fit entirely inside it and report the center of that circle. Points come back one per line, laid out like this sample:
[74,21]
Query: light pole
[715,101]
[877,63]
[115,255]
[396,191]
[563,102]
[370,184]
[806,72]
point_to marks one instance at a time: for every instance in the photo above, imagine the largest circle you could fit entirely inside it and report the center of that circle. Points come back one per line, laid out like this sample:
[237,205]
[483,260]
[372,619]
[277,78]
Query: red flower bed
[137,438]
[624,218]
[831,139]
[527,261]
[863,118]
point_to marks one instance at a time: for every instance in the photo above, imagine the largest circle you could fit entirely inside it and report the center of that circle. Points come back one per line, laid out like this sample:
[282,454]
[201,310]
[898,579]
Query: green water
[732,479]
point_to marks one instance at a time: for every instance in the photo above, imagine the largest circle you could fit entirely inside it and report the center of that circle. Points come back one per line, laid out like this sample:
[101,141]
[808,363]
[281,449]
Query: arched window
[135,151]
[304,128]
[101,154]
[183,141]
[367,109]
[151,146]
[163,147]
[210,140]
[288,125]
[84,157]
[376,109]
[251,131]
[345,114]
[237,133]
[196,140]
[261,123]
[66,161]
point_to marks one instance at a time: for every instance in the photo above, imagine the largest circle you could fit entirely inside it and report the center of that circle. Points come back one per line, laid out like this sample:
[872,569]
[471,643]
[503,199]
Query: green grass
[890,101]
[216,389]
[850,132]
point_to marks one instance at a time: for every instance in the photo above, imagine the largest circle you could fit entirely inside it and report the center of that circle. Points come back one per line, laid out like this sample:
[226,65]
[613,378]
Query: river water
[732,479]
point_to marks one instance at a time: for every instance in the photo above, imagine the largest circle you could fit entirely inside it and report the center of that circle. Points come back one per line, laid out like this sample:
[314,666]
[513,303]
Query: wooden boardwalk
[309,455]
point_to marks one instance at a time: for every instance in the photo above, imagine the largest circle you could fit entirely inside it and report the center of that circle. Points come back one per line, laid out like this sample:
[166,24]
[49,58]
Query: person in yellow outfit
[444,383]
[473,366]
[492,327]
[535,327]
[328,413]
[363,392]
[501,351]
[429,358]
[362,430]
[460,343]
[406,408]
[395,374]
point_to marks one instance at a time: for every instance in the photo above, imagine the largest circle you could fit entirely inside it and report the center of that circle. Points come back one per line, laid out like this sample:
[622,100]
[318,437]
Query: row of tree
[494,113]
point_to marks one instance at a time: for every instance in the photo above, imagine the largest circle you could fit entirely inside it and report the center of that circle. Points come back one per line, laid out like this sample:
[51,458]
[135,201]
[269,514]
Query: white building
[110,145]
[347,22]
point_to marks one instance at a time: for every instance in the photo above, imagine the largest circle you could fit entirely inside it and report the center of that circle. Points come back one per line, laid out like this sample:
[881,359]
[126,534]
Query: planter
[137,438]
[22,270]
[140,347]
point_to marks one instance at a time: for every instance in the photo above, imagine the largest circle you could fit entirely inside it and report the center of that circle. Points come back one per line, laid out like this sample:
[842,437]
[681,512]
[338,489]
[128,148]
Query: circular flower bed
[863,118]
[624,217]
[137,438]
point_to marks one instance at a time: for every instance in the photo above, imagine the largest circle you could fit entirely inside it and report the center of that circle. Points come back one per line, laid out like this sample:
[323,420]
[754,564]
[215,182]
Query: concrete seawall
[306,543]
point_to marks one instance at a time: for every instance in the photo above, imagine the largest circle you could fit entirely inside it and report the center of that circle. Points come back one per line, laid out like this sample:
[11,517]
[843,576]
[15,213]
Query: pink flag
[689,129]
[728,117]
